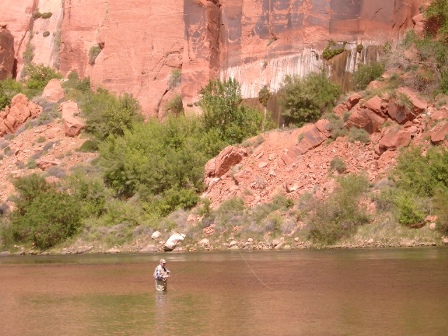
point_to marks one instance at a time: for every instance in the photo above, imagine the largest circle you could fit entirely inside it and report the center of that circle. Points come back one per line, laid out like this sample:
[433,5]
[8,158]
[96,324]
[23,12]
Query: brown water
[322,292]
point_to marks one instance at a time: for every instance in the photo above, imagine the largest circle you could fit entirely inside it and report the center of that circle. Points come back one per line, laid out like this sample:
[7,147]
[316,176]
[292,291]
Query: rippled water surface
[321,292]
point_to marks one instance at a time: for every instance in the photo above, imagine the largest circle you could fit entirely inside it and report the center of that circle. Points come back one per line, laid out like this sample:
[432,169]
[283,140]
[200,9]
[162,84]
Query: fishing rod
[261,281]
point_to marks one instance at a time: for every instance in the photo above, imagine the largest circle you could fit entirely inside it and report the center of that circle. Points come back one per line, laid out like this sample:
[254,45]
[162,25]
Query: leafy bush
[304,100]
[8,89]
[437,15]
[441,210]
[224,115]
[88,192]
[154,158]
[175,106]
[367,73]
[46,15]
[38,76]
[108,115]
[333,49]
[93,54]
[43,215]
[340,214]
[358,134]
[338,164]
[410,209]
[175,78]
[422,175]
[89,146]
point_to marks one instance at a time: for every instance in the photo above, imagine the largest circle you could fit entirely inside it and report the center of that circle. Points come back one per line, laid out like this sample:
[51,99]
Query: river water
[310,292]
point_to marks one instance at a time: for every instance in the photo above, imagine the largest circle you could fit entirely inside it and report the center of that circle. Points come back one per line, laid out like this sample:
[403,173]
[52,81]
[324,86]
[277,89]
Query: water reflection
[162,306]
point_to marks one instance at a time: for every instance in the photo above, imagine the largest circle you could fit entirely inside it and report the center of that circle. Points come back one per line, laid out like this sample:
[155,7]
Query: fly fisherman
[161,275]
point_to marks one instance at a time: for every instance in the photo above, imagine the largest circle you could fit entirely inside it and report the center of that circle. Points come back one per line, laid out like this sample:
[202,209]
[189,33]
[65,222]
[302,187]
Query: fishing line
[261,281]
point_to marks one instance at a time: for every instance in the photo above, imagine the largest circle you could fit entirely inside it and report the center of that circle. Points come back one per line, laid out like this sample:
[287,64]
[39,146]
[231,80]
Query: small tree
[305,99]
[43,215]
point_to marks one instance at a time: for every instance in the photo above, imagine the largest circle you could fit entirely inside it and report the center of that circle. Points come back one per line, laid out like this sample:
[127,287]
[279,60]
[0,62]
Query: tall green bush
[224,112]
[367,73]
[108,115]
[43,215]
[8,89]
[340,214]
[305,99]
[39,75]
[154,158]
[437,14]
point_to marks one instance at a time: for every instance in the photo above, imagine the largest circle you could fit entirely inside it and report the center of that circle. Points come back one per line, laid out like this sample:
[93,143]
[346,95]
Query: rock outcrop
[14,116]
[7,60]
[135,46]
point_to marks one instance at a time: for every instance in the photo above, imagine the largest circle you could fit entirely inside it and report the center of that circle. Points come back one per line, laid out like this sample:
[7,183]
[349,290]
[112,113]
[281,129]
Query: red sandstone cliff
[141,42]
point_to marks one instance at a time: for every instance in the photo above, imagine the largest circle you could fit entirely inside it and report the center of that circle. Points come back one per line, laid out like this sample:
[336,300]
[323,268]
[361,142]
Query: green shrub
[410,210]
[359,48]
[154,158]
[41,139]
[37,14]
[8,89]
[88,192]
[46,15]
[338,164]
[358,134]
[39,75]
[224,113]
[175,106]
[333,49]
[422,175]
[304,100]
[93,54]
[340,214]
[43,216]
[441,210]
[89,146]
[175,78]
[366,73]
[437,15]
[108,115]
[28,53]
[46,33]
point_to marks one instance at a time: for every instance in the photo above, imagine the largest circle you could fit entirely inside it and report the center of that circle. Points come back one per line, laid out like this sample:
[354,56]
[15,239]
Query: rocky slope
[138,44]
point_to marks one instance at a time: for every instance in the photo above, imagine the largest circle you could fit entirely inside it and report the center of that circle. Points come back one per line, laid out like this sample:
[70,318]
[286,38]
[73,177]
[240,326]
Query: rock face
[7,60]
[14,116]
[135,46]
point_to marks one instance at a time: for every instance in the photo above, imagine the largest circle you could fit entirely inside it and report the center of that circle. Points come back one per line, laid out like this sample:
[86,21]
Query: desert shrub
[367,73]
[73,82]
[43,215]
[56,172]
[154,158]
[338,164]
[437,15]
[46,15]
[8,89]
[93,54]
[175,78]
[230,213]
[340,214]
[174,199]
[46,33]
[41,139]
[305,99]
[422,175]
[336,126]
[175,106]
[441,210]
[108,115]
[225,116]
[410,209]
[36,14]
[38,77]
[333,49]
[358,134]
[89,193]
[89,146]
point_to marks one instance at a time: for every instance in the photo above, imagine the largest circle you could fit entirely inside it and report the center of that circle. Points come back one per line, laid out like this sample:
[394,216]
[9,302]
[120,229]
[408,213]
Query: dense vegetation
[149,174]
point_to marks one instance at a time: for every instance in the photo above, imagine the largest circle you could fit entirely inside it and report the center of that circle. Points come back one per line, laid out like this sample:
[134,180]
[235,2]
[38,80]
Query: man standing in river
[161,275]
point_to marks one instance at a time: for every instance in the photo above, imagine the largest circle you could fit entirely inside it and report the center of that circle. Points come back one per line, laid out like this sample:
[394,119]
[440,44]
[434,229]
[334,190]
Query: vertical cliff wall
[136,46]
